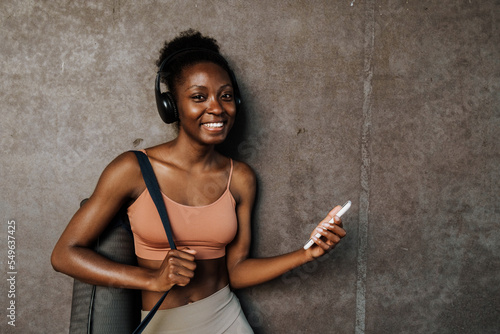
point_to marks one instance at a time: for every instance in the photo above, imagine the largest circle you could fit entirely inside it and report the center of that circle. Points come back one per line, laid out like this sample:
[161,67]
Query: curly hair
[186,40]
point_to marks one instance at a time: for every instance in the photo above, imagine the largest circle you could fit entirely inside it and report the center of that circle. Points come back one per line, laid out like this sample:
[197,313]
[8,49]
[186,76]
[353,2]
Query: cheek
[231,109]
[189,110]
[232,120]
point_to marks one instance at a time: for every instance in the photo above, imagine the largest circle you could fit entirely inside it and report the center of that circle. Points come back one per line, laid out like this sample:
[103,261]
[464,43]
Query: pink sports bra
[206,229]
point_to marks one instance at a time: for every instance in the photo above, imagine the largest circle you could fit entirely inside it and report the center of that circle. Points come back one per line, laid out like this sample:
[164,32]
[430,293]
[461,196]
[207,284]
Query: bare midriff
[209,277]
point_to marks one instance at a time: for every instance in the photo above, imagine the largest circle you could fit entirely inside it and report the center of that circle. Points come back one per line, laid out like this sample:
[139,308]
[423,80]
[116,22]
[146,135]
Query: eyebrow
[201,86]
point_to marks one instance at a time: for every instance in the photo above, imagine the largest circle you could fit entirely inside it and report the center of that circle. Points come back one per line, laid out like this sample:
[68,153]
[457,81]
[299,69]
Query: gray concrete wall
[392,104]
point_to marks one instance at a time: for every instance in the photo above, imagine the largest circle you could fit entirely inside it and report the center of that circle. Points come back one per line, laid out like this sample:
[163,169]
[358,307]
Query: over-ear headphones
[165,101]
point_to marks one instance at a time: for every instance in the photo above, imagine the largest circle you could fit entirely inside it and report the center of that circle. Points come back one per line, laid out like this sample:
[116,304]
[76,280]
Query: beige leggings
[218,313]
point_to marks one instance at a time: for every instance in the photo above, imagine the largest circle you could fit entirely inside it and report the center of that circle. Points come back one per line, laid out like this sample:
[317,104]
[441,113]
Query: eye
[198,97]
[227,96]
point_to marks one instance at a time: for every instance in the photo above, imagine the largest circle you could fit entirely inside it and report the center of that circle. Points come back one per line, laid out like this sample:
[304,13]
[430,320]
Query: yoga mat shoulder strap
[155,192]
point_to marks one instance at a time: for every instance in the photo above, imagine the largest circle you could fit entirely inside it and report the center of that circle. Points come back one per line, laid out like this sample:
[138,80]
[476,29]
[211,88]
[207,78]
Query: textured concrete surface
[392,104]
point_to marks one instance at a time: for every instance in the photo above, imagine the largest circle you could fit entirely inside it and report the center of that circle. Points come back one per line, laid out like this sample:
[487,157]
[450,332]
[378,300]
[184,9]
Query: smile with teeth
[214,125]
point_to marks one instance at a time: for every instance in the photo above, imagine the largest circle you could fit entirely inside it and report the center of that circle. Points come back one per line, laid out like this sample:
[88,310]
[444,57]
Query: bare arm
[244,271]
[120,183]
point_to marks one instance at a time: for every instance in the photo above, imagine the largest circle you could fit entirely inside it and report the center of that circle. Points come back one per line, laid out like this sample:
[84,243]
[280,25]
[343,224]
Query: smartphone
[339,214]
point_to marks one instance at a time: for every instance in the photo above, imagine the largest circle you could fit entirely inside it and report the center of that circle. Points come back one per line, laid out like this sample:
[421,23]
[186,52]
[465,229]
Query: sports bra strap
[230,170]
[230,174]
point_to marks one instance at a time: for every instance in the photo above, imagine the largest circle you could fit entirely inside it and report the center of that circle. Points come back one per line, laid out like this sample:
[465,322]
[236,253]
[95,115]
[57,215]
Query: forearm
[88,266]
[251,272]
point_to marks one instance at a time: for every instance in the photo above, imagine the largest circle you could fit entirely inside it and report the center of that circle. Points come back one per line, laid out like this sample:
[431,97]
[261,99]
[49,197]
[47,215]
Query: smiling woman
[209,200]
[205,102]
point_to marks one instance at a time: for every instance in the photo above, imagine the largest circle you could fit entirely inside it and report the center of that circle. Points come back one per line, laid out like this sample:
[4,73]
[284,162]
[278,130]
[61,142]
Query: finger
[182,271]
[338,230]
[179,279]
[186,253]
[321,243]
[188,250]
[179,275]
[183,281]
[330,236]
[331,214]
[181,262]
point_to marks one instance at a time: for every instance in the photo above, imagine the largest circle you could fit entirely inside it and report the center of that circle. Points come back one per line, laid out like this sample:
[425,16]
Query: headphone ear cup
[167,107]
[237,101]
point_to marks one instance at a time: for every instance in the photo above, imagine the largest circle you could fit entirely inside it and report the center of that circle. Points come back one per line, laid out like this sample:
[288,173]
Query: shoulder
[243,172]
[122,175]
[243,182]
[123,165]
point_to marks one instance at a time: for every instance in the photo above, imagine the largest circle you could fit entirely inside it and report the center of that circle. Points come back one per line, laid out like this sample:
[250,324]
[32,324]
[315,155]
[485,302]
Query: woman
[209,198]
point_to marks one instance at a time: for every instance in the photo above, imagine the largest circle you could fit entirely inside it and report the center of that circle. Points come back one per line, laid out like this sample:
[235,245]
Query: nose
[215,106]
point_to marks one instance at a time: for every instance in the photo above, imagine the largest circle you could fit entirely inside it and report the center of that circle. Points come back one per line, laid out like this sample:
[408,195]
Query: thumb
[332,213]
[188,250]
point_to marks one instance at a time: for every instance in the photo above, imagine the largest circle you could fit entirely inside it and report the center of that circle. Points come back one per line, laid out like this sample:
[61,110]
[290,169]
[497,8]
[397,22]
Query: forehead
[204,72]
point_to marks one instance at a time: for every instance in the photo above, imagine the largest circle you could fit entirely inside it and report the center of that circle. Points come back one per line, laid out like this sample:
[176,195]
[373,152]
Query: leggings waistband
[213,314]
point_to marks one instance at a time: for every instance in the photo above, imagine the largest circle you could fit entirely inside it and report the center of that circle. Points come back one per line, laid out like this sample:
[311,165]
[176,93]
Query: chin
[217,141]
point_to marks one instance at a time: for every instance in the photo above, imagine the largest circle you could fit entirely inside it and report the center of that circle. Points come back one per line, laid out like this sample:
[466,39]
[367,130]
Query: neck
[191,152]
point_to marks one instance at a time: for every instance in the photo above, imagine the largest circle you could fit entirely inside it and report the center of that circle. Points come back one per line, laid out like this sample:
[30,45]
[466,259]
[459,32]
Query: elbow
[236,283]
[237,277]
[236,286]
[57,259]
[240,285]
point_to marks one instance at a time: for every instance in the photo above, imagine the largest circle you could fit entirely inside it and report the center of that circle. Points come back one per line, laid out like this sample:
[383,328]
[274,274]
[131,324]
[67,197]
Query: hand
[176,269]
[331,234]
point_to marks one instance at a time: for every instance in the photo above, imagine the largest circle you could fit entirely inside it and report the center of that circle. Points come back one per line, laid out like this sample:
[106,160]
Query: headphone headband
[188,50]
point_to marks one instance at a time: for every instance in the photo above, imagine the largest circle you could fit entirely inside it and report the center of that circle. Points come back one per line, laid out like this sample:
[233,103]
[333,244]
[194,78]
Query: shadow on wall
[234,143]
